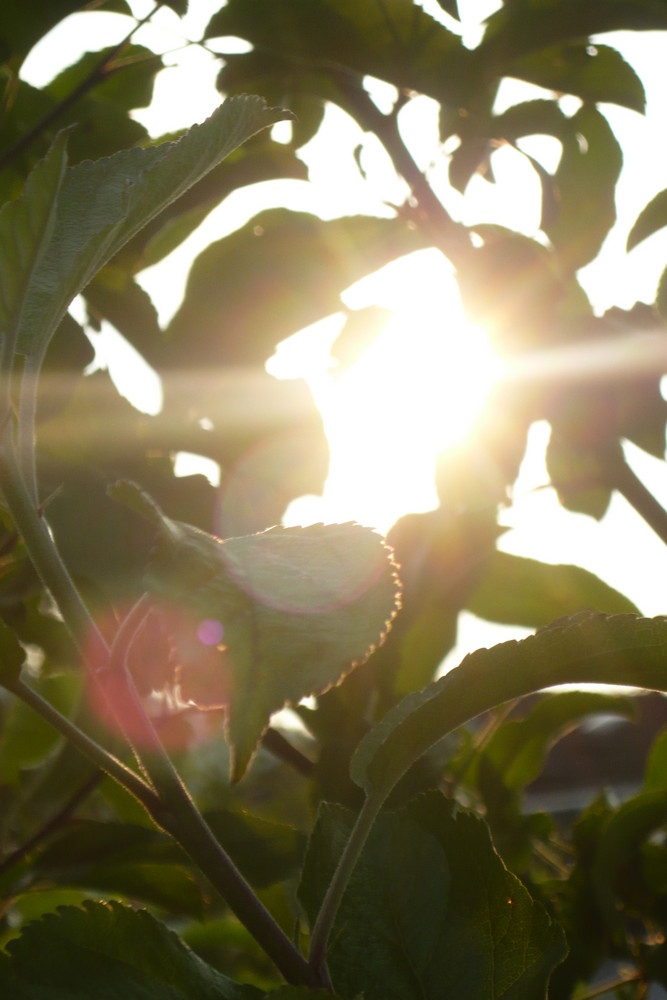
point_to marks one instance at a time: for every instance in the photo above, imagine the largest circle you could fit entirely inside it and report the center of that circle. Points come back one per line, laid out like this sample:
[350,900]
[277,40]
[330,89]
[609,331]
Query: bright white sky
[378,472]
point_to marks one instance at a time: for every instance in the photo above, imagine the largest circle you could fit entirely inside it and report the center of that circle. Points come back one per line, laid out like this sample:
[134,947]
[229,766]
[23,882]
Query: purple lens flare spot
[210,632]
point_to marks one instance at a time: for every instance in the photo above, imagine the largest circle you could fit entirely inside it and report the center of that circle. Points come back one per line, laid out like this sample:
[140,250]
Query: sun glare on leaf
[412,393]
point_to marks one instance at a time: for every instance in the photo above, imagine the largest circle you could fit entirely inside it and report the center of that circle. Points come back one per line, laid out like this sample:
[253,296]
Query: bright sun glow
[415,391]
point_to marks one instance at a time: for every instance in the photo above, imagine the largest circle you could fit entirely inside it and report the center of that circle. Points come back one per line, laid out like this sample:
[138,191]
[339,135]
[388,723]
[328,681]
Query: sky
[377,475]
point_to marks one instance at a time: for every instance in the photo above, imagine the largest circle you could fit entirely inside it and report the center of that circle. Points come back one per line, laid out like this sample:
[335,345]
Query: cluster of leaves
[157,617]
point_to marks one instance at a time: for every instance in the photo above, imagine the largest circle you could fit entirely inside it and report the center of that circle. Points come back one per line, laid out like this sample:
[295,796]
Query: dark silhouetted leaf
[136,862]
[300,262]
[525,26]
[396,42]
[651,218]
[429,906]
[595,73]
[585,181]
[123,952]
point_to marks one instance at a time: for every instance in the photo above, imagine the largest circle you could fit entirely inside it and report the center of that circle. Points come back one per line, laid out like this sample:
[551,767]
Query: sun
[413,393]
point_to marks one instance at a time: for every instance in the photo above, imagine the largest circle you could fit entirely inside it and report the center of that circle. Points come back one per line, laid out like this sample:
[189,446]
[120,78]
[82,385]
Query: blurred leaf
[651,218]
[396,42]
[303,88]
[588,648]
[525,26]
[68,354]
[578,471]
[296,609]
[125,84]
[26,739]
[223,318]
[103,203]
[123,952]
[265,852]
[434,907]
[26,228]
[12,656]
[114,858]
[24,24]
[517,591]
[518,749]
[585,180]
[595,73]
[258,159]
[512,287]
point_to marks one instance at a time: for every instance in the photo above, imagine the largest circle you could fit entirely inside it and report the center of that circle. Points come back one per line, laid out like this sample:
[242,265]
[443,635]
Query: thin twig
[52,825]
[633,490]
[98,72]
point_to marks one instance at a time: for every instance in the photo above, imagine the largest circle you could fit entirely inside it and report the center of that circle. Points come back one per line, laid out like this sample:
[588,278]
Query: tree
[383,850]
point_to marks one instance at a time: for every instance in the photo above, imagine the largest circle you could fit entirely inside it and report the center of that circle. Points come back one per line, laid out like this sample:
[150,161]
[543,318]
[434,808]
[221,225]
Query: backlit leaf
[286,613]
[105,202]
[26,227]
[588,648]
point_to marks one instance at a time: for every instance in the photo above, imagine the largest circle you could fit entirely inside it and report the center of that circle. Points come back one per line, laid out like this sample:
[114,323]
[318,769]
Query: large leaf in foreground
[588,648]
[26,226]
[108,951]
[285,613]
[105,202]
[430,911]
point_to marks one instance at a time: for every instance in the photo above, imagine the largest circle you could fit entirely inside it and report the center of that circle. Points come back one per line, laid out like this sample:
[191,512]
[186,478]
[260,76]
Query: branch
[623,479]
[96,75]
[52,825]
[431,216]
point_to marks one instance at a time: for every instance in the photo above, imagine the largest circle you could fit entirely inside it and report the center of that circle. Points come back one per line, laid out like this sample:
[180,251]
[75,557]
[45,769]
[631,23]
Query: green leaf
[518,749]
[292,610]
[586,181]
[651,218]
[26,739]
[588,648]
[394,41]
[26,227]
[24,24]
[105,202]
[223,320]
[517,591]
[12,656]
[593,72]
[430,910]
[115,952]
[115,858]
[525,26]
[265,852]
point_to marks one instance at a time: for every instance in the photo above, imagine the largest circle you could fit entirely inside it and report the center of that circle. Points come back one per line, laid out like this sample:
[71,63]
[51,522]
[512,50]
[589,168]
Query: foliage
[151,625]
